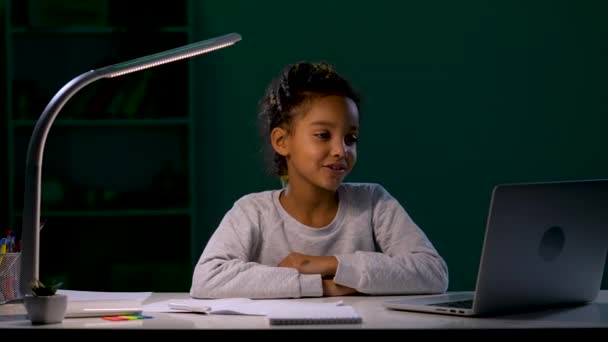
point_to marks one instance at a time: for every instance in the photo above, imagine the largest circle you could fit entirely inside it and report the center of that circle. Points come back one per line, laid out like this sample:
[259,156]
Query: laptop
[545,245]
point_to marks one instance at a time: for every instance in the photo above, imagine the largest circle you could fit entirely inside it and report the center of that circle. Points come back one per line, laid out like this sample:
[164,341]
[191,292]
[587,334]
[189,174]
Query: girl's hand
[330,288]
[310,264]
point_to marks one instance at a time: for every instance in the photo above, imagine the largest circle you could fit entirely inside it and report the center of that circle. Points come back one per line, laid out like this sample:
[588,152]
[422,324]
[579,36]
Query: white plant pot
[46,309]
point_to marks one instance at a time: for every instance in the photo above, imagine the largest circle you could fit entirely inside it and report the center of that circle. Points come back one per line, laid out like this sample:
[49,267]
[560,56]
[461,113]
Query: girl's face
[321,146]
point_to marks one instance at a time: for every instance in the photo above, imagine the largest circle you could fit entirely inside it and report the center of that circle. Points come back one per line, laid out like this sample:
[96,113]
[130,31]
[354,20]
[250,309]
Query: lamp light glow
[30,230]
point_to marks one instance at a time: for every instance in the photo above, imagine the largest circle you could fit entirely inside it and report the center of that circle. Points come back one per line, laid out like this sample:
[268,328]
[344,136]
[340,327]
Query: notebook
[333,315]
[313,313]
[545,245]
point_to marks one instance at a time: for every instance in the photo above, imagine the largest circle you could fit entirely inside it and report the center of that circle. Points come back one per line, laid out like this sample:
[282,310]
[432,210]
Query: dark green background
[458,96]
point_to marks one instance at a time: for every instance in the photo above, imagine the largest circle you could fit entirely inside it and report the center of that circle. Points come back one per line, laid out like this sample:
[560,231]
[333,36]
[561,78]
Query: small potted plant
[44,305]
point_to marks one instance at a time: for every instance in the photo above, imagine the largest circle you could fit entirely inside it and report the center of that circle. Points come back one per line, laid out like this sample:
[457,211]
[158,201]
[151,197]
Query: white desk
[376,318]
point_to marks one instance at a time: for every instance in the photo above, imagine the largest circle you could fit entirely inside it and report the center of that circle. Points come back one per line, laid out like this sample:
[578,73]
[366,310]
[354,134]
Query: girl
[316,236]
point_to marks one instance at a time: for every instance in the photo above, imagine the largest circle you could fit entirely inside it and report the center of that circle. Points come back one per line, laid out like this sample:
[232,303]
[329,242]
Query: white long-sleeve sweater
[379,249]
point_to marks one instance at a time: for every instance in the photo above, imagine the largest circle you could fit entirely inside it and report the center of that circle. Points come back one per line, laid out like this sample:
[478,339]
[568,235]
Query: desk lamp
[33,168]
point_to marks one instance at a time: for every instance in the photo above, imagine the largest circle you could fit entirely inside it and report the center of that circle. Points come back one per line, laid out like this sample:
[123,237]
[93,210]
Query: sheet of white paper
[272,306]
[162,306]
[74,295]
[236,306]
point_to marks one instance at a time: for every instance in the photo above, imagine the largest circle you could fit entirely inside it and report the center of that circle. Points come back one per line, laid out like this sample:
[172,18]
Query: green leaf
[39,289]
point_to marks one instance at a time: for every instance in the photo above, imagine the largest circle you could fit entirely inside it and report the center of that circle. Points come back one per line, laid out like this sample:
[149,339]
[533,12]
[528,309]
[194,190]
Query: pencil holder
[10,275]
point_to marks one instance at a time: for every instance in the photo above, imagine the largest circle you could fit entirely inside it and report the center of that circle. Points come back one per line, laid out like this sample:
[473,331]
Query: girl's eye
[351,139]
[323,135]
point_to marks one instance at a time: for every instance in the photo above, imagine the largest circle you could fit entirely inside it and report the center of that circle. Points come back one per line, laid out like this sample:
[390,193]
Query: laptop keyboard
[463,304]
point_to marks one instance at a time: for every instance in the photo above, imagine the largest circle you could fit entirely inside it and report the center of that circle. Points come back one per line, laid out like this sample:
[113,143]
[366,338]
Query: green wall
[458,96]
[4,185]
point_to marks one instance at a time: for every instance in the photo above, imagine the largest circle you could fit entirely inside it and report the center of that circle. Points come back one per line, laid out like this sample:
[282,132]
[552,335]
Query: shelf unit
[117,168]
